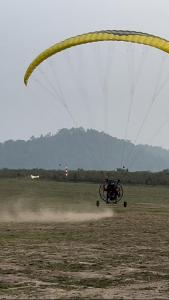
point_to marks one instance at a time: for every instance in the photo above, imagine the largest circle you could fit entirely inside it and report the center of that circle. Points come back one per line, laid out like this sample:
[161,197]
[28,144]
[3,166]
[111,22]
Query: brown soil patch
[120,257]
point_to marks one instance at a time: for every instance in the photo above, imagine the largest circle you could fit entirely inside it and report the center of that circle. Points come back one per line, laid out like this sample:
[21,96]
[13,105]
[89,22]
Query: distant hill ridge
[78,148]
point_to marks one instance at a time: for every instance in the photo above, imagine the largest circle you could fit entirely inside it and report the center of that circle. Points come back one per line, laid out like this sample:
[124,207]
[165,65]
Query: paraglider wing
[97,36]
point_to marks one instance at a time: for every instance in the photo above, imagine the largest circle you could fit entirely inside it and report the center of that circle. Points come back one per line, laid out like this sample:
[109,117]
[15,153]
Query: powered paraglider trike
[111,192]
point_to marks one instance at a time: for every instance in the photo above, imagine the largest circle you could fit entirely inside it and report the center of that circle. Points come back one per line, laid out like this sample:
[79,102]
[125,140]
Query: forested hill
[80,149]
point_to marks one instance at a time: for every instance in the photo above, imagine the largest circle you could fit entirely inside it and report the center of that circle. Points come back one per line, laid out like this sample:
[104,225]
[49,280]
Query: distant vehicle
[111,192]
[34,176]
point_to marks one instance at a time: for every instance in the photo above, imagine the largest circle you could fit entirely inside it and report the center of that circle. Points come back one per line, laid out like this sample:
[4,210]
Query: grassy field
[55,243]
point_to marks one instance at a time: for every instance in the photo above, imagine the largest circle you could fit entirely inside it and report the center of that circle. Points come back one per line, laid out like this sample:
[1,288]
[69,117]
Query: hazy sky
[95,81]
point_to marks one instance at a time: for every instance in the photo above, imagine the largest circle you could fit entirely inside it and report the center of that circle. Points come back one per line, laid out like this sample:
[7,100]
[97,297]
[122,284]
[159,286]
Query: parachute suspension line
[140,66]
[57,94]
[98,64]
[135,75]
[105,89]
[100,82]
[83,90]
[79,86]
[131,72]
[79,142]
[107,80]
[103,68]
[73,70]
[51,92]
[155,134]
[123,161]
[80,145]
[155,95]
[87,146]
[46,88]
[60,91]
[157,91]
[56,79]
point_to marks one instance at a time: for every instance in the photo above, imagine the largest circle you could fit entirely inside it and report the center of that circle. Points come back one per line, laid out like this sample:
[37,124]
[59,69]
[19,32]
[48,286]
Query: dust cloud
[19,213]
[46,215]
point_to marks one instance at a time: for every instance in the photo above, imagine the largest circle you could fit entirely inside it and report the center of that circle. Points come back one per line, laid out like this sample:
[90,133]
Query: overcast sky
[29,27]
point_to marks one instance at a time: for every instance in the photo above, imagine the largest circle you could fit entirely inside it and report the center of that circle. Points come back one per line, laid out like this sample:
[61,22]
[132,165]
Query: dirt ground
[121,254]
[124,256]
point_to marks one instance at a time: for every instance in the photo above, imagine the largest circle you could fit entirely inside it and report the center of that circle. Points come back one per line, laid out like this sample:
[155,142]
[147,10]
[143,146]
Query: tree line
[93,176]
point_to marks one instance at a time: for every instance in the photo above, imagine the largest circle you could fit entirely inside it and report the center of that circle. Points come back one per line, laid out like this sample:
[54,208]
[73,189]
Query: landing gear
[97,203]
[125,203]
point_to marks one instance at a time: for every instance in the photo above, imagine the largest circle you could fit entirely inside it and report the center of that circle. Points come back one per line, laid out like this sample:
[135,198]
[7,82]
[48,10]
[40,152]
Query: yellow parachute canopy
[104,35]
